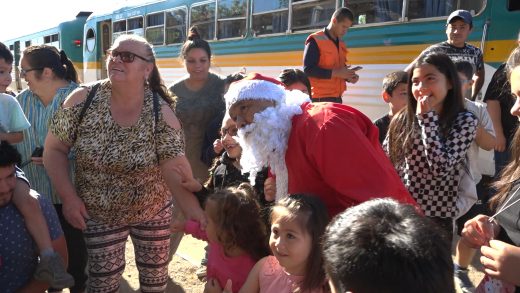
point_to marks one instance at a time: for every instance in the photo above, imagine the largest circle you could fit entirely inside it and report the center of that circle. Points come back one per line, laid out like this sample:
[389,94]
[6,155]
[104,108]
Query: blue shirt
[39,116]
[18,251]
[12,118]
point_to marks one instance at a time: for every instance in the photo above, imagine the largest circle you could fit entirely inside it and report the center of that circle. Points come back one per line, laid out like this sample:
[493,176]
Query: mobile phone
[356,68]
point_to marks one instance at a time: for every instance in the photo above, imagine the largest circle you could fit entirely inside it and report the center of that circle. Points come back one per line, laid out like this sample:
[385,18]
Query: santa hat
[255,87]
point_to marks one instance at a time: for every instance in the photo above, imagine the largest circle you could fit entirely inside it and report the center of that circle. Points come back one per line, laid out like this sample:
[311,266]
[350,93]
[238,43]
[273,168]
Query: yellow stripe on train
[494,52]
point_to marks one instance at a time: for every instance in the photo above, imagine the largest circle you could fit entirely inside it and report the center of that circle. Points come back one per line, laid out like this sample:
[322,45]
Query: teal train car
[66,36]
[266,36]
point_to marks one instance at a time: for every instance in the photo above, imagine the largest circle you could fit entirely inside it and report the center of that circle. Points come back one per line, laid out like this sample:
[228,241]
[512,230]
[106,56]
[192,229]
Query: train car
[266,35]
[66,36]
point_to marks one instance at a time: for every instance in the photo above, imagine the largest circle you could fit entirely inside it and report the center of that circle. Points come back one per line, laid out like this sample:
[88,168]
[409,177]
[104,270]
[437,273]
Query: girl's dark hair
[311,214]
[292,75]
[194,42]
[155,81]
[45,56]
[404,126]
[9,155]
[238,220]
[513,61]
[511,173]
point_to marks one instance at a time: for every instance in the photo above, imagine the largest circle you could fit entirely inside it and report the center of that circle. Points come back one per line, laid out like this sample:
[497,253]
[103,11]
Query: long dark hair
[45,56]
[403,128]
[311,214]
[511,173]
[238,220]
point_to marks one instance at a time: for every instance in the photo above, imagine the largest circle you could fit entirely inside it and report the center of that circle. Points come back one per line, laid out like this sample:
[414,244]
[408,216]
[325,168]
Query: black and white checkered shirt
[432,170]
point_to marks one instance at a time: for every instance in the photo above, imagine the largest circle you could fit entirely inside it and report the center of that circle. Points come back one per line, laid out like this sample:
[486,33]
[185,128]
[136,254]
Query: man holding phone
[325,57]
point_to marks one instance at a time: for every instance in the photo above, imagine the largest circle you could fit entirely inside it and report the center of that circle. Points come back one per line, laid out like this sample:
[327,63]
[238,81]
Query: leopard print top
[117,171]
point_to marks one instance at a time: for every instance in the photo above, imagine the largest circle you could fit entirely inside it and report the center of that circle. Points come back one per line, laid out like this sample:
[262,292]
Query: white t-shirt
[12,118]
[467,194]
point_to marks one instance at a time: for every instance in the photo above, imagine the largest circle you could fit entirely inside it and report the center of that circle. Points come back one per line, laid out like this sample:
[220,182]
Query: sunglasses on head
[125,56]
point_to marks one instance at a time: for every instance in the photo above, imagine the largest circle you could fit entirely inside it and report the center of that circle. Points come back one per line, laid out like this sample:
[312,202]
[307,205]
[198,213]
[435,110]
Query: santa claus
[327,149]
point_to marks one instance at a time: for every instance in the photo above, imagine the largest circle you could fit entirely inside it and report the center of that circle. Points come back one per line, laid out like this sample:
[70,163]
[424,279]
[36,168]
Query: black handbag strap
[85,107]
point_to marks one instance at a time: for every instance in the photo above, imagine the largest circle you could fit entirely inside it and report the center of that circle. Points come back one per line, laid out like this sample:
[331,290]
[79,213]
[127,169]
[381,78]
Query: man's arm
[34,286]
[311,58]
[493,107]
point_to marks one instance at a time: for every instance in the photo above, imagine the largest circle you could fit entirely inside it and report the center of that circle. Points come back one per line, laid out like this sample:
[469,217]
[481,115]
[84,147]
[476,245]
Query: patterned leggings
[106,253]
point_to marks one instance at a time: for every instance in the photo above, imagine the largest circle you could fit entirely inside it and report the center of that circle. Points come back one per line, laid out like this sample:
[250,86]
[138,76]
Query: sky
[22,17]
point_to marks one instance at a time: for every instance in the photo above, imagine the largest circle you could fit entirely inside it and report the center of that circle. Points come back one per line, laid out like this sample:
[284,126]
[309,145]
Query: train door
[106,37]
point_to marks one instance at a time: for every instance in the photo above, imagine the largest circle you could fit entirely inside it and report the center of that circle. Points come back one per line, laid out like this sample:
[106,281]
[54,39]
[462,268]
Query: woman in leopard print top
[125,154]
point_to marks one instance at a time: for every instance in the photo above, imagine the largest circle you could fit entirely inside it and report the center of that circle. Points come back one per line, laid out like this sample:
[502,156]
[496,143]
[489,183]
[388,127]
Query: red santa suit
[334,152]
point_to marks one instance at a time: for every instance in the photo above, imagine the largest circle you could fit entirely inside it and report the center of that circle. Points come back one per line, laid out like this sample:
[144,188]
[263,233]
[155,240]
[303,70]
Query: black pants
[484,193]
[328,99]
[77,253]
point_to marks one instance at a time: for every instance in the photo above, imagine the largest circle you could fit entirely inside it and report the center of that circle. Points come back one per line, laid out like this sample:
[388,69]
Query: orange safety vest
[331,57]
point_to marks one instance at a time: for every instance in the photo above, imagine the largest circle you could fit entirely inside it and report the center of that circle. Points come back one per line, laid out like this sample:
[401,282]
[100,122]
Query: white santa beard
[264,143]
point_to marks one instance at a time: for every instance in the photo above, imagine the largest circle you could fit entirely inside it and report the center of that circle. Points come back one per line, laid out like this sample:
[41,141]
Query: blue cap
[462,14]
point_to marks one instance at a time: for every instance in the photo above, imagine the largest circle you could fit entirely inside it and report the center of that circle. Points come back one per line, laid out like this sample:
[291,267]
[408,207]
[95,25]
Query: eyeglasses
[125,56]
[23,72]
[232,131]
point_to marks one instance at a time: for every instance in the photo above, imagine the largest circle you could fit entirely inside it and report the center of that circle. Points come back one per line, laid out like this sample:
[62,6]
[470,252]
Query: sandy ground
[184,264]
[182,268]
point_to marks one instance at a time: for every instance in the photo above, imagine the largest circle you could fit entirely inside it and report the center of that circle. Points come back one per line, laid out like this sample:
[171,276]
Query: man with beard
[327,149]
[18,251]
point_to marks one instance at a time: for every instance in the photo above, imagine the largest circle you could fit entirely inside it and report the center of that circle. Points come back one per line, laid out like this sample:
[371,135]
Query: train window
[155,28]
[119,28]
[27,43]
[135,26]
[90,38]
[311,14]
[513,5]
[52,40]
[231,18]
[430,8]
[435,8]
[270,17]
[176,26]
[203,16]
[375,11]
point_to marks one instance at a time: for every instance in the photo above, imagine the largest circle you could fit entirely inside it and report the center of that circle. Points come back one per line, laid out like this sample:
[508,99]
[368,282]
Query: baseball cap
[462,14]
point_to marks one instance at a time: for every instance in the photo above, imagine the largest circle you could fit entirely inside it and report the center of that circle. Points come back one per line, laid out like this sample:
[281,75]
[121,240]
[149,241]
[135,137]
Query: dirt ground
[184,264]
[182,268]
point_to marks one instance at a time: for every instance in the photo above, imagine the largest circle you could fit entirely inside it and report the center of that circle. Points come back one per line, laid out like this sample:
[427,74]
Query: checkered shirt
[432,170]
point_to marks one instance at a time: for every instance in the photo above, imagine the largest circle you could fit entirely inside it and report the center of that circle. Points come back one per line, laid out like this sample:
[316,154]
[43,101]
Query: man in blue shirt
[18,251]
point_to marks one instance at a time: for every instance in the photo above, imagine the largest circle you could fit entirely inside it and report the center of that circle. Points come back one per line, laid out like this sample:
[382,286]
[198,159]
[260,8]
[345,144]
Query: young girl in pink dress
[297,225]
[236,234]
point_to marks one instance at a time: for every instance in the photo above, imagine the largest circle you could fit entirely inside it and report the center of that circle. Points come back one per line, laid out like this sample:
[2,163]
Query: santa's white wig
[264,142]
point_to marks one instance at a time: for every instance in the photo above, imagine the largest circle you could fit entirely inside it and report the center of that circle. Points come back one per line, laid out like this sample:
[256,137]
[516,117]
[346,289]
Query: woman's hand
[478,231]
[212,286]
[75,212]
[218,147]
[501,261]
[177,226]
[37,160]
[187,180]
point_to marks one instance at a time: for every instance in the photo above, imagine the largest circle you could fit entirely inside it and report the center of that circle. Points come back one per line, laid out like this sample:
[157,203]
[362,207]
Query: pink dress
[273,278]
[220,266]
